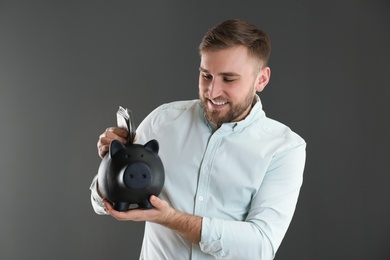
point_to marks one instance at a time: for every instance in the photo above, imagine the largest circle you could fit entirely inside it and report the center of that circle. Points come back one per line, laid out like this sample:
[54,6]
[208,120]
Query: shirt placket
[204,182]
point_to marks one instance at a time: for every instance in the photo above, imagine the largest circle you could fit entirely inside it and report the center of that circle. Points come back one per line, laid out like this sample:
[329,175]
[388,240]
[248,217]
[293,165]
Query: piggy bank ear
[117,149]
[152,146]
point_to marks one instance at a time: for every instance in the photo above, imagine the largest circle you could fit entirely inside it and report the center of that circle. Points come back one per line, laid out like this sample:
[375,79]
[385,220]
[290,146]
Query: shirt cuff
[96,200]
[211,242]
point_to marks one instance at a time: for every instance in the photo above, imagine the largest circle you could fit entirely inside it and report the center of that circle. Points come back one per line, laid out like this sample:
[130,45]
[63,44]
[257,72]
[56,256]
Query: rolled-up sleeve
[96,200]
[226,239]
[271,211]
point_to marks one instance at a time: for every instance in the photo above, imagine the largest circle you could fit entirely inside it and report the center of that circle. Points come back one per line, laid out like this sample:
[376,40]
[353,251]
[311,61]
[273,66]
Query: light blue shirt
[242,178]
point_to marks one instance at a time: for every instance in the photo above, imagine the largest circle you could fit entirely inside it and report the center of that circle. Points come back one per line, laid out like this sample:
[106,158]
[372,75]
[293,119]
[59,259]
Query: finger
[105,140]
[108,137]
[103,150]
[107,206]
[118,131]
[161,206]
[157,202]
[103,145]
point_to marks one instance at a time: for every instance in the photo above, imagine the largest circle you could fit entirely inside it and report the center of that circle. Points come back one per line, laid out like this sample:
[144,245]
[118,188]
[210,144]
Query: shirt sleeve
[272,208]
[96,200]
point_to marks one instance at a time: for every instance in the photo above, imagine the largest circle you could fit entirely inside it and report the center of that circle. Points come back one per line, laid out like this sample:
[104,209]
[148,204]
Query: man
[232,175]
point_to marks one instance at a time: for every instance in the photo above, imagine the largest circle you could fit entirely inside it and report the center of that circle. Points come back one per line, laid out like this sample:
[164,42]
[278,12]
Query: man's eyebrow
[203,70]
[226,74]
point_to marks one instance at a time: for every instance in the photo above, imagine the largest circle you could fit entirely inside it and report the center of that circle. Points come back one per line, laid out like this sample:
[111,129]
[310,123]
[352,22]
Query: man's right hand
[105,139]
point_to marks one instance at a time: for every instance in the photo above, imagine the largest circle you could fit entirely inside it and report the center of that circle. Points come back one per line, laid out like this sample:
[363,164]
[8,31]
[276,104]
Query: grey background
[66,66]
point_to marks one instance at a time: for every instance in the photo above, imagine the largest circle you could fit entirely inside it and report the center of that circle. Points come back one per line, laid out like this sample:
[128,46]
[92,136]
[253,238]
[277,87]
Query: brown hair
[238,32]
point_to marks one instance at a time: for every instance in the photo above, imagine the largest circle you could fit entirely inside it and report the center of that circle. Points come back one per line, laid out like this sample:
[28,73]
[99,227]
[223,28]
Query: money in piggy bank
[130,173]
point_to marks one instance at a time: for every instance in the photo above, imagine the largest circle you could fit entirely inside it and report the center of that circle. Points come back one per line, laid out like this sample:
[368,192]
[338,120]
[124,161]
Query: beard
[235,111]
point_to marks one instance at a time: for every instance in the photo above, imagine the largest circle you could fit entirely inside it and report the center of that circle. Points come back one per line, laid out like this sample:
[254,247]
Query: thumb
[156,201]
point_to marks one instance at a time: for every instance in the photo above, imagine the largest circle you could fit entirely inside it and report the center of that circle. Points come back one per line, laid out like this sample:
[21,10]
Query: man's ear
[263,78]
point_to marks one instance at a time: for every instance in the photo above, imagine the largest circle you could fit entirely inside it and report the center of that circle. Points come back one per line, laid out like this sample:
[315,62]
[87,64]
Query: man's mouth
[218,103]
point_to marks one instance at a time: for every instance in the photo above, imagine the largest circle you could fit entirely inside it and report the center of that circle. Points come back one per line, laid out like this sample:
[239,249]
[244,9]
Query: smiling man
[228,81]
[233,175]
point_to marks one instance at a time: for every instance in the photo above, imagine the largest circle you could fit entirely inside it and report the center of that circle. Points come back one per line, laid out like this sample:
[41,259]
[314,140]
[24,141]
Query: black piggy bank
[130,173]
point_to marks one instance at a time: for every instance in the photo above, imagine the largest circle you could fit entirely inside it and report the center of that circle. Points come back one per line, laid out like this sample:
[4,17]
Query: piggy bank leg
[121,206]
[145,205]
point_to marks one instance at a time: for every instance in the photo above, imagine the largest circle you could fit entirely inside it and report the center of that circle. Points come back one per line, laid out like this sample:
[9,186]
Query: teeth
[218,103]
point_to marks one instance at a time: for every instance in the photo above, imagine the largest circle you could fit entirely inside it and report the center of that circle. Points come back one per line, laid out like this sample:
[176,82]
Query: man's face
[228,81]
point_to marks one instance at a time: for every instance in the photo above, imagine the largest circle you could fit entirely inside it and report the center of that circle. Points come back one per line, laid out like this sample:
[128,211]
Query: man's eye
[208,77]
[228,79]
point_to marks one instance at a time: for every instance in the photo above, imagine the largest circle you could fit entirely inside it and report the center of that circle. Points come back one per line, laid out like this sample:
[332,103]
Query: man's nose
[215,89]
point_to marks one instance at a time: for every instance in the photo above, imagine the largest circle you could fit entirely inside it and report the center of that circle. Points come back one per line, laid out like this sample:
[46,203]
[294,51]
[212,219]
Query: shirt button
[200,198]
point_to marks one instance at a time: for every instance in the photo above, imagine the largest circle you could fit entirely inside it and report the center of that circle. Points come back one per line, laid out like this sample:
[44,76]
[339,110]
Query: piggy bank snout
[137,176]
